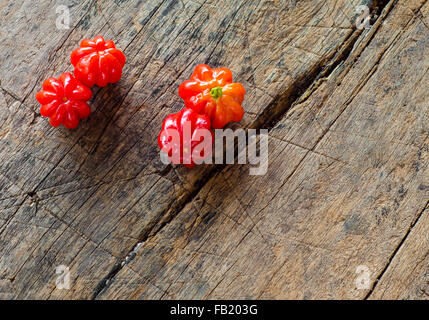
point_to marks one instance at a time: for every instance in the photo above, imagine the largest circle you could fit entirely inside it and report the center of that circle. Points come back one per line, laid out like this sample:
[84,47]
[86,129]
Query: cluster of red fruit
[212,100]
[64,100]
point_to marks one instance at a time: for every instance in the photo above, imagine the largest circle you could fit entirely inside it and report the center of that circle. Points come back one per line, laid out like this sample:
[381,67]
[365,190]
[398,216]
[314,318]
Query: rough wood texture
[407,276]
[348,169]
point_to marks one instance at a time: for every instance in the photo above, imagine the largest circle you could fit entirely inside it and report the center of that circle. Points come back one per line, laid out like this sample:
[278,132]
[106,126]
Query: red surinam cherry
[97,62]
[63,100]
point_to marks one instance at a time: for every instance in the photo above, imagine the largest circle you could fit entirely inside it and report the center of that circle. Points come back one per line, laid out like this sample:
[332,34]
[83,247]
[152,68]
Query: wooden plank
[84,198]
[348,166]
[407,276]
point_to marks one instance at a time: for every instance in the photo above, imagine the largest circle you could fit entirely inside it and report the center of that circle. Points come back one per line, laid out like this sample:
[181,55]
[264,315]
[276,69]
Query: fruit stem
[216,92]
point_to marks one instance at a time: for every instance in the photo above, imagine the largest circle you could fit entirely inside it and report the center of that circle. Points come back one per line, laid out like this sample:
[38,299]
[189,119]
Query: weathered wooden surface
[407,276]
[348,169]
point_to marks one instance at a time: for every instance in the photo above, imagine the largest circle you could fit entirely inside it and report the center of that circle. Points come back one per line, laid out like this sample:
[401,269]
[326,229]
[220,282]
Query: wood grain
[407,275]
[349,166]
[348,161]
[84,198]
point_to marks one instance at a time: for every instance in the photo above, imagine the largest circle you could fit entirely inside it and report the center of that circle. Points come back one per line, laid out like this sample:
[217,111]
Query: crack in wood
[392,256]
[267,119]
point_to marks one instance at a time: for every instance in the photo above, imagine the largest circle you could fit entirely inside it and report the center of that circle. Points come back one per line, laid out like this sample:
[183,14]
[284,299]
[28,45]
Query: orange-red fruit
[212,92]
[97,62]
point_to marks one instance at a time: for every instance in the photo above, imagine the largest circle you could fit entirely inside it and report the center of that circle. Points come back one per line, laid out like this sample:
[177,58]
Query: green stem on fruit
[216,92]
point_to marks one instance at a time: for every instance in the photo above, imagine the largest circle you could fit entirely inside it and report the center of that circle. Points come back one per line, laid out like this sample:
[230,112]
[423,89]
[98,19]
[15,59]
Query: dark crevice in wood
[271,115]
[104,283]
[419,215]
[378,7]
[5,92]
[374,285]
